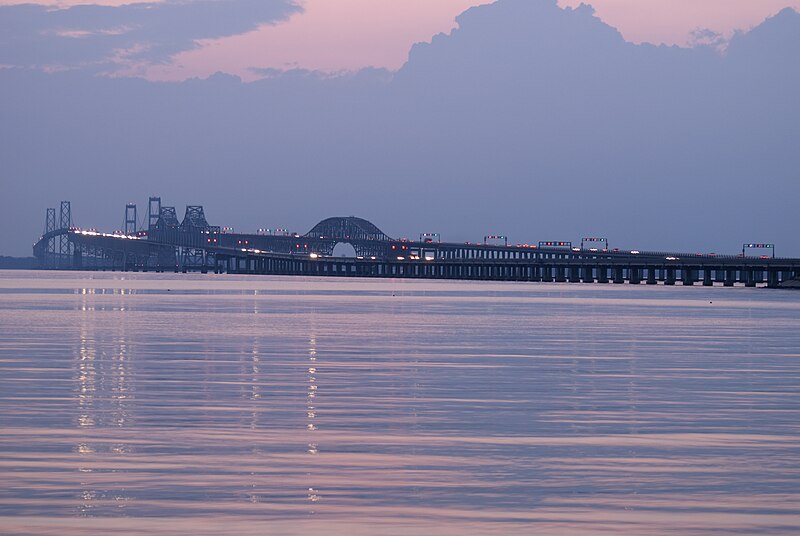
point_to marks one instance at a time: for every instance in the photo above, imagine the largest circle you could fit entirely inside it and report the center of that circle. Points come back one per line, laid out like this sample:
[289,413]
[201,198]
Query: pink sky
[331,35]
[335,35]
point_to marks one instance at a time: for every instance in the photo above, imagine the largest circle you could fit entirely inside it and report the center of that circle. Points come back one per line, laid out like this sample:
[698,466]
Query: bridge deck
[201,251]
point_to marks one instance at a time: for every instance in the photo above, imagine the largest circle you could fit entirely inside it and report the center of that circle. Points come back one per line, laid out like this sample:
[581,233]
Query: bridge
[191,244]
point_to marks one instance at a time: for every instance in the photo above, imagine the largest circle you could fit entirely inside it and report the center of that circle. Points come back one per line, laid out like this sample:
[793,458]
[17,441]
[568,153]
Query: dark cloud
[529,120]
[87,35]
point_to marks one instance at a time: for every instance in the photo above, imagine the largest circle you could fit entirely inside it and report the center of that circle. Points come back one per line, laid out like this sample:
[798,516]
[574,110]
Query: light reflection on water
[219,404]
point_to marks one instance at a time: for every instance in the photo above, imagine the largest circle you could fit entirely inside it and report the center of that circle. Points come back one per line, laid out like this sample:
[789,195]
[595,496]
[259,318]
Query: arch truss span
[347,229]
[364,236]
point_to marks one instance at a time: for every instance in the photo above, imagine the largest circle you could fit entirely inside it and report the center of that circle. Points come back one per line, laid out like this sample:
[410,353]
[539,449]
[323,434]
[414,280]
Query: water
[174,404]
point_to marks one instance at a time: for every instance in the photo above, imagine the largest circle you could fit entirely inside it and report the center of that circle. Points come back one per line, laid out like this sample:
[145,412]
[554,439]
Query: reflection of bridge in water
[191,244]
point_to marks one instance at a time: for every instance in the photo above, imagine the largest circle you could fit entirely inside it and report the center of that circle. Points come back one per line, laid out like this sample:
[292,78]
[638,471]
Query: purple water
[174,404]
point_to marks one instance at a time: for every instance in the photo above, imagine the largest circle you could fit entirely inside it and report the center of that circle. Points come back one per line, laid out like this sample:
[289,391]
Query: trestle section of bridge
[565,271]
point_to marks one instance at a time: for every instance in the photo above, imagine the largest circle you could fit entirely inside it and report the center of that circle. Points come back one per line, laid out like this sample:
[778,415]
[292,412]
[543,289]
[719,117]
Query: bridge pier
[560,274]
[619,276]
[749,277]
[688,276]
[651,276]
[634,275]
[602,274]
[669,278]
[773,278]
[588,275]
[730,277]
[574,274]
[707,280]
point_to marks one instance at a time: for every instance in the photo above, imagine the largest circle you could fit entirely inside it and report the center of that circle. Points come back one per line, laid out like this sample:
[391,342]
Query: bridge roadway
[195,246]
[551,266]
[471,262]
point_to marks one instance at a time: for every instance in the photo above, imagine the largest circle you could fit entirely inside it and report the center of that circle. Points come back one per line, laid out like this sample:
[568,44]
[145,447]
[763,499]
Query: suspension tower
[130,219]
[64,245]
[153,212]
[50,251]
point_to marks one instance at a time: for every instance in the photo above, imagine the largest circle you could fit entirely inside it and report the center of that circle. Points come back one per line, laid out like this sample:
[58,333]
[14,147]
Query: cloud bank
[89,36]
[529,120]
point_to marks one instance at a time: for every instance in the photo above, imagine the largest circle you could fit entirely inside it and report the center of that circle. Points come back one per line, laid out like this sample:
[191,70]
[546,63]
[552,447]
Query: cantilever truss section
[195,218]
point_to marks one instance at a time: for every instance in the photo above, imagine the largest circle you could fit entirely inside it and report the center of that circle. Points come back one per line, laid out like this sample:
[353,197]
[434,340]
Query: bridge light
[313,255]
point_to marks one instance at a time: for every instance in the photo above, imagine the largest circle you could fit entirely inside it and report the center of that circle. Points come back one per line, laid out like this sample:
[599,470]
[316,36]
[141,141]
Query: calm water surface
[174,404]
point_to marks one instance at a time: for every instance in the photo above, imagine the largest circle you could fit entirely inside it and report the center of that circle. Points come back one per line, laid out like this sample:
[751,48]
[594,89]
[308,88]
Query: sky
[529,118]
[336,35]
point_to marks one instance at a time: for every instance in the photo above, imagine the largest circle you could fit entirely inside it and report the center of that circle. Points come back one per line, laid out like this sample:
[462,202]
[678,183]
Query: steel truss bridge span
[367,240]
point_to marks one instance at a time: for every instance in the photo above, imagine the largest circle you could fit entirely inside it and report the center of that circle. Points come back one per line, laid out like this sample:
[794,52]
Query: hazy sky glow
[336,35]
[328,35]
[530,120]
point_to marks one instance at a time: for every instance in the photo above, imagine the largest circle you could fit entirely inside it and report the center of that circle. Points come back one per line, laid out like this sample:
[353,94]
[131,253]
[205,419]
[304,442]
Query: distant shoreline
[18,263]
